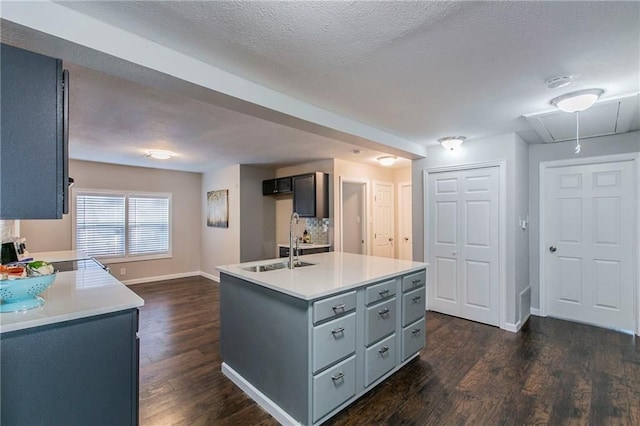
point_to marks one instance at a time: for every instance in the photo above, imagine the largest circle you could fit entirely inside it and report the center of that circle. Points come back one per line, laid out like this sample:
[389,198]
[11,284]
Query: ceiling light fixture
[387,160]
[577,102]
[159,154]
[452,143]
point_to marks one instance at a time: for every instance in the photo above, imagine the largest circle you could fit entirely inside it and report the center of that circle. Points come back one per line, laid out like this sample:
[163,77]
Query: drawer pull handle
[383,349]
[415,331]
[383,292]
[337,376]
[337,330]
[338,307]
[383,312]
[416,298]
[415,281]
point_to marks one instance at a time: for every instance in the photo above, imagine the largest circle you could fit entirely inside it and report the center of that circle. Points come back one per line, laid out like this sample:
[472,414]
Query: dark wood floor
[552,372]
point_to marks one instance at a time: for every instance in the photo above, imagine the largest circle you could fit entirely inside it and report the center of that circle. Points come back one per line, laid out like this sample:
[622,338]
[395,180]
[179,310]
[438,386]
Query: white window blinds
[148,225]
[123,225]
[100,224]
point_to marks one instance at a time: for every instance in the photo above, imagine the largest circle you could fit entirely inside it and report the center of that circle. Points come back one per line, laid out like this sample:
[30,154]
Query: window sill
[111,260]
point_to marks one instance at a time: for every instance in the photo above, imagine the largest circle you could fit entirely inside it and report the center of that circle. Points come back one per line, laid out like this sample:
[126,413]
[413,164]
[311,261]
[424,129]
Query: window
[122,226]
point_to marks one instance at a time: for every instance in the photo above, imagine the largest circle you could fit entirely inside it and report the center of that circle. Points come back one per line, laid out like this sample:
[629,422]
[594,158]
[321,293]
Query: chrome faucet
[293,260]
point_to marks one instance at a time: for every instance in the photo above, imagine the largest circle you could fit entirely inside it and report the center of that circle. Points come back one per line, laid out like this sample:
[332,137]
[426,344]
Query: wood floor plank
[552,372]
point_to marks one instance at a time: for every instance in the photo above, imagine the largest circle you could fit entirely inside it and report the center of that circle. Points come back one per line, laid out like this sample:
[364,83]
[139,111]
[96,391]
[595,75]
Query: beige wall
[220,246]
[51,235]
[364,172]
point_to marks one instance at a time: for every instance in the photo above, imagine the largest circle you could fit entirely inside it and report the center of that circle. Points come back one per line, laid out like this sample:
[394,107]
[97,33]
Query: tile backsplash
[6,229]
[318,228]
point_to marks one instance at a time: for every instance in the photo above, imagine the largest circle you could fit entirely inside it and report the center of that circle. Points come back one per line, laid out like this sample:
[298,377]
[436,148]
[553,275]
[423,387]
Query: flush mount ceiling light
[577,101]
[159,154]
[387,160]
[451,143]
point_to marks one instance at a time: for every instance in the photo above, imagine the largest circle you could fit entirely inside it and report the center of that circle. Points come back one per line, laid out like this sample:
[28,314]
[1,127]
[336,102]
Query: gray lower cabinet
[333,341]
[413,338]
[380,359]
[321,354]
[81,372]
[381,320]
[333,387]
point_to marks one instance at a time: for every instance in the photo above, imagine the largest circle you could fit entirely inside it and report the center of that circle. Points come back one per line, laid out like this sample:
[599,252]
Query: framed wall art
[218,208]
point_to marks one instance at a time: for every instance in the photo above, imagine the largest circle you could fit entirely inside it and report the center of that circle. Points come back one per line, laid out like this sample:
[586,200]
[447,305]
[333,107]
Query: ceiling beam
[54,30]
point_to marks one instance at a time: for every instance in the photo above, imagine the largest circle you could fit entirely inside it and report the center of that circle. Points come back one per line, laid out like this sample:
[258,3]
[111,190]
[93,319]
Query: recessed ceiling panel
[608,117]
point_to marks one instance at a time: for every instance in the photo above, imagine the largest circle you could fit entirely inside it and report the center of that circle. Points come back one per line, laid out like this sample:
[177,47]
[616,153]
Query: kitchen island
[305,343]
[74,360]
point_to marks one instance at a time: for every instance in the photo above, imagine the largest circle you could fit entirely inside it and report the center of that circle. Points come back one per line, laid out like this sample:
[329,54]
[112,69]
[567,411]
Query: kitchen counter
[73,295]
[332,273]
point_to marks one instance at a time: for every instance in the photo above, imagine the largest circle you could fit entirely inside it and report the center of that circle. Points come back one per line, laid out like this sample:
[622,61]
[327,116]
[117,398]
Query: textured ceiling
[417,70]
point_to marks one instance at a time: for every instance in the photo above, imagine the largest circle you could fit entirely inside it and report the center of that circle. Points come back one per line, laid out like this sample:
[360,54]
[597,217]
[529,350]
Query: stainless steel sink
[274,266]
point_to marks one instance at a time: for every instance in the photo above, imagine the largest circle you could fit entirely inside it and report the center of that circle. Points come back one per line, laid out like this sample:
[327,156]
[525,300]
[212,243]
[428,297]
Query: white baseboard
[535,311]
[514,328]
[171,277]
[209,276]
[267,404]
[161,278]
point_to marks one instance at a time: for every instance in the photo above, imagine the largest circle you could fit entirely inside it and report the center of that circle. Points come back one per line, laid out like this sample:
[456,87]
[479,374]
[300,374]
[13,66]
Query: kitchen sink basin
[274,266]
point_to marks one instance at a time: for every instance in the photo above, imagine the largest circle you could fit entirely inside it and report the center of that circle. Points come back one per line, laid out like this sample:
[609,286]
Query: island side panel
[264,337]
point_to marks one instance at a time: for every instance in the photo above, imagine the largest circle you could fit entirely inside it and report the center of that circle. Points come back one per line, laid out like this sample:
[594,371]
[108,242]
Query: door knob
[552,249]
[453,253]
[390,239]
[406,238]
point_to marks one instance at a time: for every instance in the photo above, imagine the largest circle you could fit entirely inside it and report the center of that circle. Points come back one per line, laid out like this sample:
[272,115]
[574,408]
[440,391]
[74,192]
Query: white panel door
[383,219]
[589,230]
[464,244]
[404,222]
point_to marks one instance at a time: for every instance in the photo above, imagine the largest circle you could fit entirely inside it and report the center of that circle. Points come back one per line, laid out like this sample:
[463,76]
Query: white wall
[606,145]
[51,235]
[495,148]
[220,246]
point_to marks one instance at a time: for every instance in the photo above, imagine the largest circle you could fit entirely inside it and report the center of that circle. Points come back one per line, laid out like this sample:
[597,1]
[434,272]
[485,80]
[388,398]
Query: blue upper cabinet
[34,137]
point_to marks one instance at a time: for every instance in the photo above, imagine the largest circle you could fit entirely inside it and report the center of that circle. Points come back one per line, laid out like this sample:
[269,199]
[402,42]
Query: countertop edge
[69,317]
[323,294]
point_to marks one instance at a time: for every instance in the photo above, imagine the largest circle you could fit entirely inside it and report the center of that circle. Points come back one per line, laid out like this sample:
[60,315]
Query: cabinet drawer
[333,387]
[414,281]
[380,320]
[413,306]
[379,359]
[334,340]
[380,291]
[413,338]
[333,306]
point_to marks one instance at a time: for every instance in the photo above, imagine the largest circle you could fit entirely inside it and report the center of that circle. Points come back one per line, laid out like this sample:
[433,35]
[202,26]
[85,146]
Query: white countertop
[73,295]
[59,256]
[332,273]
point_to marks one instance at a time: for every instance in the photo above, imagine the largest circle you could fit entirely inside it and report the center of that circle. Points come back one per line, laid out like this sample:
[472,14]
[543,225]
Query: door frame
[399,187]
[502,228]
[365,211]
[616,158]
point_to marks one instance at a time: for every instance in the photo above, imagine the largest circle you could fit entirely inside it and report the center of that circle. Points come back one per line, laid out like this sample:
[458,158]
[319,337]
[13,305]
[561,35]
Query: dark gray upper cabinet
[276,186]
[311,195]
[33,144]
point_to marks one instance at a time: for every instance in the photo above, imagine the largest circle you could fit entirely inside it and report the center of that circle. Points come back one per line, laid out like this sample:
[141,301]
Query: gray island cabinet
[306,343]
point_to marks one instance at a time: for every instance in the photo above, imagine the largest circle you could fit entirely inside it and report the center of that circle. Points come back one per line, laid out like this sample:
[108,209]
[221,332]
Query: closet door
[463,223]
